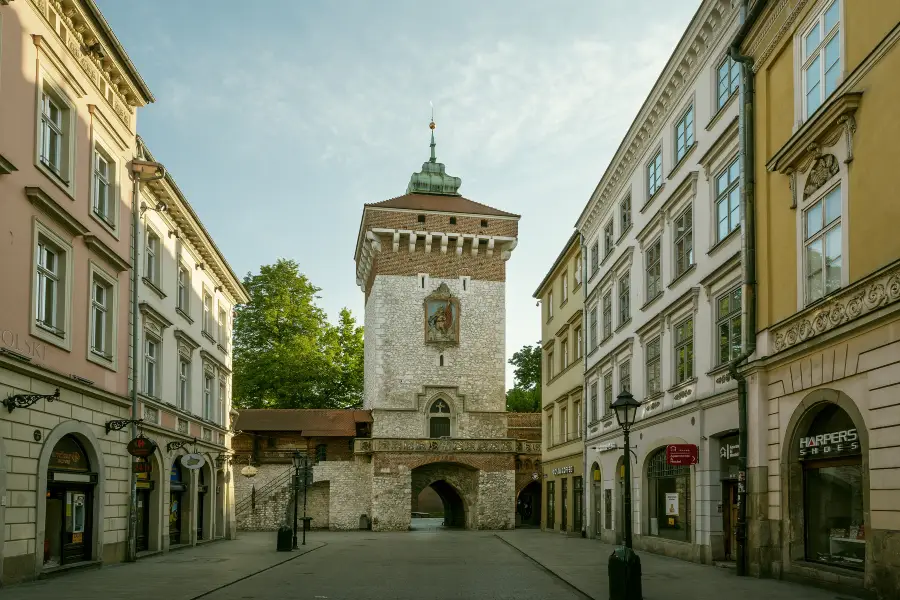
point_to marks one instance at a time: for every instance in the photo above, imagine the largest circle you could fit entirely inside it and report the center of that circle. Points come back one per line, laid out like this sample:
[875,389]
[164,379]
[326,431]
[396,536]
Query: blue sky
[280,118]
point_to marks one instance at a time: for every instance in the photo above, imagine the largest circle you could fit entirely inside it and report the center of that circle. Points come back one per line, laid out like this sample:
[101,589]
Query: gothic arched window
[439,419]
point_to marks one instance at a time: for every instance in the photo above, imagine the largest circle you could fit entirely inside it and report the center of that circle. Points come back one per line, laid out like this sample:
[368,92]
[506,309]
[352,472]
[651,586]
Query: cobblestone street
[430,563]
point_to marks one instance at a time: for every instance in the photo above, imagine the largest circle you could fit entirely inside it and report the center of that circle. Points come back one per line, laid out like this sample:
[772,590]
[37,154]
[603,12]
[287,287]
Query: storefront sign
[22,345]
[832,444]
[192,461]
[608,447]
[682,454]
[143,466]
[563,470]
[68,455]
[671,505]
[141,446]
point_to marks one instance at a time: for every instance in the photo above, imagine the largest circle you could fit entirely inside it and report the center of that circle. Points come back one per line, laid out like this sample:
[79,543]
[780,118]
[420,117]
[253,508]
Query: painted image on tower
[442,320]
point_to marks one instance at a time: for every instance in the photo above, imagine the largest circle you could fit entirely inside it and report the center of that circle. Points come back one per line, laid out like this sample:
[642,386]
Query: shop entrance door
[143,520]
[598,509]
[68,527]
[729,517]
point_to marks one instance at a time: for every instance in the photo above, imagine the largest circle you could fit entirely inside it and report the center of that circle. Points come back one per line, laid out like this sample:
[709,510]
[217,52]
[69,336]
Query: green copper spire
[433,178]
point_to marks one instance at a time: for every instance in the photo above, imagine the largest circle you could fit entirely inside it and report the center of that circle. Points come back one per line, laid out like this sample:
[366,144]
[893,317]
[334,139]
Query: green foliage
[525,395]
[286,354]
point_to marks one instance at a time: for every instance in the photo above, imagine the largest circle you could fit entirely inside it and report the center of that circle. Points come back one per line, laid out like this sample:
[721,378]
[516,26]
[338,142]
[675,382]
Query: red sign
[143,466]
[682,454]
[141,447]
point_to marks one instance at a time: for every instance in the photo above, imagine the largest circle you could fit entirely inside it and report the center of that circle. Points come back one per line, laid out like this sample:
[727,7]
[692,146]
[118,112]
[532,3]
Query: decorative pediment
[153,316]
[824,168]
[109,255]
[186,344]
[45,202]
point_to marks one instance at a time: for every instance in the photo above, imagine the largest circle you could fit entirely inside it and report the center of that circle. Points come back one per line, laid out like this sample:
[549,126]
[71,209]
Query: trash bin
[624,575]
[306,522]
[285,539]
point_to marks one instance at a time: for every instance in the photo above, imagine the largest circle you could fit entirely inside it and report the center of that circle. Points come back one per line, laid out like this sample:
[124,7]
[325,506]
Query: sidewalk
[212,565]
[583,564]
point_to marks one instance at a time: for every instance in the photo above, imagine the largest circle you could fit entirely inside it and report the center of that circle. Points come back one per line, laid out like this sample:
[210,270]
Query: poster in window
[671,505]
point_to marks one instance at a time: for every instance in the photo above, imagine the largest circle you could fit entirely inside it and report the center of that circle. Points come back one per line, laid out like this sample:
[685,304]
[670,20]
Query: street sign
[192,461]
[141,446]
[682,454]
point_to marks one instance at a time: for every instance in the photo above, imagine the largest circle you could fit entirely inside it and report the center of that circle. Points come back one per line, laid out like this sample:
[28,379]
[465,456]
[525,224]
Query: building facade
[562,382]
[824,466]
[662,305]
[68,101]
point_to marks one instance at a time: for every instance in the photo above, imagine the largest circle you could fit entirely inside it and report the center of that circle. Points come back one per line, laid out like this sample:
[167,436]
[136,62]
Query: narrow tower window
[442,360]
[423,282]
[453,220]
[484,222]
[421,218]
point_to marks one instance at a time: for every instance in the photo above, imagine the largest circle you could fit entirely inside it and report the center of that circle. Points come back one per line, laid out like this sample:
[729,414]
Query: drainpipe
[748,263]
[586,506]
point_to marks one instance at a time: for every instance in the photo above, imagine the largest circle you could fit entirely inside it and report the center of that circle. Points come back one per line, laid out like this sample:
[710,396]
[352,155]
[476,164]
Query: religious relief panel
[441,317]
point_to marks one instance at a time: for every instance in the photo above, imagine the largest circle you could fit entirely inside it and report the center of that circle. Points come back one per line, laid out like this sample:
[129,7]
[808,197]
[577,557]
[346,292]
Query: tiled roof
[441,203]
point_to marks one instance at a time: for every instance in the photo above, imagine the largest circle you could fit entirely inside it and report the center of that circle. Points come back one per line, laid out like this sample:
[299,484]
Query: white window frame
[593,339]
[624,293]
[550,441]
[728,319]
[208,395]
[625,214]
[688,344]
[653,174]
[657,340]
[63,174]
[732,185]
[111,220]
[657,242]
[594,397]
[608,393]
[606,303]
[184,383]
[563,424]
[153,275]
[109,358]
[61,333]
[222,398]
[595,258]
[732,82]
[688,120]
[550,357]
[183,289]
[817,198]
[222,324]
[609,239]
[565,288]
[564,353]
[683,259]
[625,368]
[579,340]
[814,19]
[149,338]
[207,312]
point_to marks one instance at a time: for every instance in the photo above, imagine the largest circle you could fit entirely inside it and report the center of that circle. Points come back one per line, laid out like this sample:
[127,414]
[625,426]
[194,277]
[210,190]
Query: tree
[286,354]
[525,395]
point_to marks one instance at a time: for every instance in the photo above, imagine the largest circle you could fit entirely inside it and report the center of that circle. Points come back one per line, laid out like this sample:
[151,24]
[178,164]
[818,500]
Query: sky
[279,119]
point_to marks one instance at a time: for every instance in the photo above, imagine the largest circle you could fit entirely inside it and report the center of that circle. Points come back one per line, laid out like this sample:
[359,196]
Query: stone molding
[45,202]
[861,298]
[446,446]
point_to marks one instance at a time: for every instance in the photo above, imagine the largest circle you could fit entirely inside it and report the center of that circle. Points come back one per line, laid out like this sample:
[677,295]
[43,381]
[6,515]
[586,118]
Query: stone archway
[151,511]
[457,486]
[596,505]
[206,500]
[528,506]
[84,435]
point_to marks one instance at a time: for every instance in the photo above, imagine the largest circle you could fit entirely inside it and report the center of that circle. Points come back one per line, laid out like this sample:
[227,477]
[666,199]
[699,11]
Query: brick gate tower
[432,265]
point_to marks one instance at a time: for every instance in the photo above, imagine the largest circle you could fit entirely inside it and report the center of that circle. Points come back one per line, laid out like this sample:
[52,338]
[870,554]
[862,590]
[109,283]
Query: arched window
[669,489]
[439,419]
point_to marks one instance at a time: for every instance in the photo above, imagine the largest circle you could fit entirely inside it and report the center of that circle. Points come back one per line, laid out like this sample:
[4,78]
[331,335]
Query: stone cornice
[722,143]
[563,257]
[6,167]
[880,289]
[51,208]
[154,315]
[719,272]
[44,373]
[98,247]
[182,336]
[709,25]
[215,361]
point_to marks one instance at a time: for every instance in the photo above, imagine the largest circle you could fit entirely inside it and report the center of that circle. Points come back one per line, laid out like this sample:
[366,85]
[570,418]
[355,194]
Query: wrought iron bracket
[119,424]
[26,400]
[172,446]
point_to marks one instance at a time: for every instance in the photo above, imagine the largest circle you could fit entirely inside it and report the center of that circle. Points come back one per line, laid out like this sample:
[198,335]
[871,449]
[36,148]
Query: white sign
[563,470]
[829,443]
[192,461]
[730,451]
[535,476]
[671,505]
[608,447]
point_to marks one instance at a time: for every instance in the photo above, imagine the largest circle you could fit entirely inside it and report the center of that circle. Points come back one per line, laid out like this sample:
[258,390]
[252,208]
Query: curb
[544,567]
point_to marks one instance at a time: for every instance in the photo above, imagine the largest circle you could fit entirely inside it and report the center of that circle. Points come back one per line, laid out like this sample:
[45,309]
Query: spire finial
[432,126]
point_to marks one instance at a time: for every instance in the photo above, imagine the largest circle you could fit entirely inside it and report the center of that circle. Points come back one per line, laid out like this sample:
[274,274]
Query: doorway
[177,495]
[529,505]
[144,488]
[68,523]
[729,518]
[202,494]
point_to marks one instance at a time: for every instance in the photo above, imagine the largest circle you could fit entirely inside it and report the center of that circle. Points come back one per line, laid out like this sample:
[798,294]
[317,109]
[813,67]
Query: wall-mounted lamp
[161,207]
[174,233]
[218,288]
[200,266]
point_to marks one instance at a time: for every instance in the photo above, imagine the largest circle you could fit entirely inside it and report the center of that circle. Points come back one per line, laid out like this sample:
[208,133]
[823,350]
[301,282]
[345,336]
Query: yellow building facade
[824,382]
[560,295]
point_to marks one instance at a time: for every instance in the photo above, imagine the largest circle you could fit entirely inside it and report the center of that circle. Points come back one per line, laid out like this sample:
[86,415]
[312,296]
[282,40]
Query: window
[484,223]
[184,289]
[549,365]
[151,271]
[684,133]
[101,317]
[207,397]
[653,367]
[550,305]
[669,489]
[207,313]
[565,288]
[624,298]
[579,340]
[565,354]
[607,394]
[728,80]
[728,324]
[821,58]
[223,326]
[654,282]
[684,351]
[439,420]
[625,214]
[550,430]
[608,239]
[421,219]
[607,315]
[551,504]
[595,408]
[576,407]
[625,376]
[184,383]
[728,200]
[54,133]
[563,424]
[684,241]
[576,271]
[654,175]
[222,398]
[822,245]
[577,503]
[50,303]
[453,220]
[321,452]
[104,200]
[595,258]
[593,329]
[564,502]
[151,373]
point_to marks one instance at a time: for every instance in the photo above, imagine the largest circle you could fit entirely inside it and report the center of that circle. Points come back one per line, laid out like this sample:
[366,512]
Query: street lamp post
[299,462]
[624,564]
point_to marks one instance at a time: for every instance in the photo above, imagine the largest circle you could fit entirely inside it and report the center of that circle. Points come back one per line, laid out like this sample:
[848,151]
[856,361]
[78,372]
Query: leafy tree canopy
[286,353]
[525,395]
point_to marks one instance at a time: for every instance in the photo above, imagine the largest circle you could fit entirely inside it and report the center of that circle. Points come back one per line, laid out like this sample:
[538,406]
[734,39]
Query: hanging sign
[192,461]
[824,445]
[143,466]
[682,454]
[141,446]
[671,505]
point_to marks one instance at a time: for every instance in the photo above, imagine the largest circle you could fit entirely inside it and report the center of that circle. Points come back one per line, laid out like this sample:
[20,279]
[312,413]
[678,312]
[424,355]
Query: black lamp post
[299,461]
[624,564]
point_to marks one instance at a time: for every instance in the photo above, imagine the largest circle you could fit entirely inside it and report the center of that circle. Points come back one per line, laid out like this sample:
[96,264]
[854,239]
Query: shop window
[669,499]
[564,498]
[577,502]
[833,490]
[551,505]
[177,493]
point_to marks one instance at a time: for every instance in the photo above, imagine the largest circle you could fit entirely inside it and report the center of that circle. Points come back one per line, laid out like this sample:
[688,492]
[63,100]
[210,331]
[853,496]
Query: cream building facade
[69,96]
[562,418]
[662,309]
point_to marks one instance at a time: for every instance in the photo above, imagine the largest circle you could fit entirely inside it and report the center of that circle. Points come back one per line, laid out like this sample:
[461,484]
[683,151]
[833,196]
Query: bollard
[624,575]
